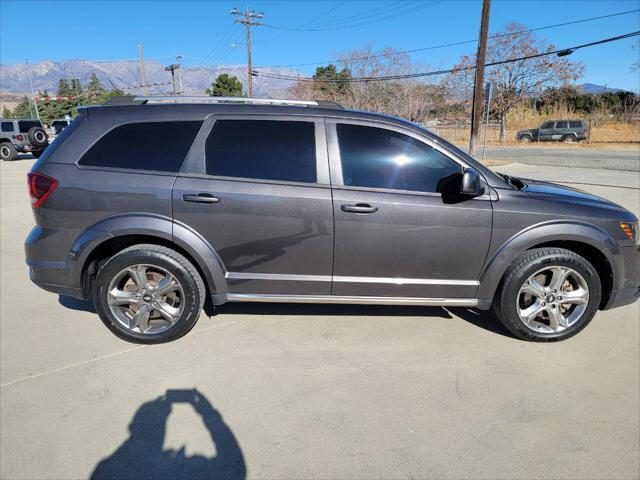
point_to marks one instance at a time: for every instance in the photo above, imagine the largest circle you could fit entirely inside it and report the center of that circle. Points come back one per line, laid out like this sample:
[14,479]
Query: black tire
[8,152]
[531,261]
[526,139]
[176,264]
[37,137]
[37,153]
[569,139]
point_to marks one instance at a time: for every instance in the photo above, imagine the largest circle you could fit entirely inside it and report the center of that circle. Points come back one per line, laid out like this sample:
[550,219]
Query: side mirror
[471,184]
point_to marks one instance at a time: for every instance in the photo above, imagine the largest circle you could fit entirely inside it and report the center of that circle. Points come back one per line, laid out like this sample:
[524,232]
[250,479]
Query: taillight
[19,138]
[40,187]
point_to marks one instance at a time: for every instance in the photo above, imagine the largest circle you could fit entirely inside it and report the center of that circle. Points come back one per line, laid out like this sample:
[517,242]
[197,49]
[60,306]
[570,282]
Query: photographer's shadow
[141,456]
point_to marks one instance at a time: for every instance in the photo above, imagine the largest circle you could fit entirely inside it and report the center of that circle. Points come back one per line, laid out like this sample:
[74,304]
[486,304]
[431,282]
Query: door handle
[359,208]
[201,198]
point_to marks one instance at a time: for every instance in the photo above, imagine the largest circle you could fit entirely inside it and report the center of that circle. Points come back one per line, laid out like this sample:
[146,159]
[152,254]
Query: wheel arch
[110,236]
[586,240]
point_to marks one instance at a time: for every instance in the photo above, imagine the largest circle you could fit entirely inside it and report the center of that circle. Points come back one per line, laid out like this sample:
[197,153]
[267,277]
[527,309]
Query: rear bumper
[46,252]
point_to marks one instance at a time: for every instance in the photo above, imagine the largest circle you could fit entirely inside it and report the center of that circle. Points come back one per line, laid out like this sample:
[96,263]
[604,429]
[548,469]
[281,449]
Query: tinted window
[562,124]
[546,125]
[380,158]
[6,126]
[146,146]
[262,149]
[26,125]
[575,124]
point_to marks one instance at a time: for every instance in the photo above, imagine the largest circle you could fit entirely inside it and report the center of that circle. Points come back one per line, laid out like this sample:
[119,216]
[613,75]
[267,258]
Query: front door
[545,133]
[257,190]
[398,230]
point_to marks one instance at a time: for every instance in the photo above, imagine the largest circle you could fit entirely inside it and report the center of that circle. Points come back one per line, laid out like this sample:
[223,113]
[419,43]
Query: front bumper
[628,290]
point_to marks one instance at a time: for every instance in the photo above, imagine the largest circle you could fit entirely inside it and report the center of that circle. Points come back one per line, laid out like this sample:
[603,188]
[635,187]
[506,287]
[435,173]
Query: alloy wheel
[146,298]
[552,299]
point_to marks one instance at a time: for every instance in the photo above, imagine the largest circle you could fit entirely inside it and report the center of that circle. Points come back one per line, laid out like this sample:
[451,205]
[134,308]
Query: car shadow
[142,454]
[479,318]
[484,319]
[76,304]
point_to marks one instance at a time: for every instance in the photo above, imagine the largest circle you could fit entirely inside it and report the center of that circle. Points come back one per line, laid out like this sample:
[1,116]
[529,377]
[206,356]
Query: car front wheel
[548,294]
[149,294]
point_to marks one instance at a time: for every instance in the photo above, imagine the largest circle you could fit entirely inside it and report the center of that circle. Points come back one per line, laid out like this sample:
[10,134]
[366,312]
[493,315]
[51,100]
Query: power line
[561,52]
[366,19]
[464,42]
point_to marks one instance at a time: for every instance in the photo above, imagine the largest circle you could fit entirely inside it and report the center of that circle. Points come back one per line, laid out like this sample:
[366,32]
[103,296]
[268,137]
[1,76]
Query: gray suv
[152,207]
[25,136]
[567,131]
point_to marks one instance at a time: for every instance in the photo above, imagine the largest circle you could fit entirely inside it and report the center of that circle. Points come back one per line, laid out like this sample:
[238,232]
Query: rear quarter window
[160,146]
[575,124]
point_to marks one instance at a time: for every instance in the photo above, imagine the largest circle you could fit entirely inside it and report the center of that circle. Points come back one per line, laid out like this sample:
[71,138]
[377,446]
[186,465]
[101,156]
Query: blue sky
[203,31]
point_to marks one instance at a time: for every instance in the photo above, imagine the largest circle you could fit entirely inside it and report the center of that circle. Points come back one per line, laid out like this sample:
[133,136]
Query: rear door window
[160,146]
[562,124]
[26,125]
[575,124]
[6,126]
[262,149]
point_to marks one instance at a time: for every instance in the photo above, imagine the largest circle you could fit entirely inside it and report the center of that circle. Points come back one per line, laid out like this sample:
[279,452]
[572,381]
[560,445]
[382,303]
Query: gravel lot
[304,391]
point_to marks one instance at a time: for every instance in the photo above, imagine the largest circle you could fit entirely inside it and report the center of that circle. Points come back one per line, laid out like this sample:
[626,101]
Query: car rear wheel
[526,139]
[569,139]
[7,151]
[149,294]
[548,294]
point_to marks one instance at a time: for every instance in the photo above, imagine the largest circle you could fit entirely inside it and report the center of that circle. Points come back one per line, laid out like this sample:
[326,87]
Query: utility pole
[143,80]
[179,61]
[172,68]
[33,95]
[476,109]
[247,18]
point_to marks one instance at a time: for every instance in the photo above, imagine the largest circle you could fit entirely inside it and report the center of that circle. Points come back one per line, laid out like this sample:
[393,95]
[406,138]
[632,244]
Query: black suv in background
[25,136]
[567,131]
[150,210]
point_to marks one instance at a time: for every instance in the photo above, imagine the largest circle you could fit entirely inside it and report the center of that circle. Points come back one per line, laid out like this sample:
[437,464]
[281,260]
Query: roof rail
[142,100]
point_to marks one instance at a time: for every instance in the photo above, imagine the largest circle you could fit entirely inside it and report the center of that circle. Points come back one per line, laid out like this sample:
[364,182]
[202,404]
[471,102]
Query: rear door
[545,132]
[400,230]
[256,187]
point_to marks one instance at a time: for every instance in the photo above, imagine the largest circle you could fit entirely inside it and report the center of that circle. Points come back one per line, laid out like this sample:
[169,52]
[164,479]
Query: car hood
[569,194]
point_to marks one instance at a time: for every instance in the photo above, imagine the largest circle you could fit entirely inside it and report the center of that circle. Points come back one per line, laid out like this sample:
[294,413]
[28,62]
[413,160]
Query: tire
[8,152]
[184,302]
[569,139]
[511,302]
[37,137]
[37,153]
[526,139]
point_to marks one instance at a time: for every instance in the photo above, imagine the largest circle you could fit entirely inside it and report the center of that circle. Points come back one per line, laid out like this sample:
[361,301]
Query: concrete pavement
[310,391]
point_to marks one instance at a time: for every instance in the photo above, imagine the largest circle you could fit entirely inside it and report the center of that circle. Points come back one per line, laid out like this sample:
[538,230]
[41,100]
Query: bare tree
[410,99]
[515,82]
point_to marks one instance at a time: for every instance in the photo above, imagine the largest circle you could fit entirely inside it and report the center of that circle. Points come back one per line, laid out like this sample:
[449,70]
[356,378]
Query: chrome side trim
[359,300]
[347,279]
[278,277]
[405,281]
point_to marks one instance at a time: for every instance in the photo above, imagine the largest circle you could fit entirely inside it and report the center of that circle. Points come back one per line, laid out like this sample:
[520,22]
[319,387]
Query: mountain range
[125,75]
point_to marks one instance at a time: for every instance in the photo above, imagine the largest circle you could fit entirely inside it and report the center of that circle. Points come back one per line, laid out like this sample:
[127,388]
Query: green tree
[330,81]
[64,89]
[6,113]
[95,89]
[225,86]
[23,109]
[76,87]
